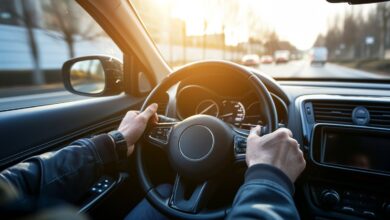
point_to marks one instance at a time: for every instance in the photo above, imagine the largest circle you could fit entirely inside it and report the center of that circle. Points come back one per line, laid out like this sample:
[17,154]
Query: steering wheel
[198,147]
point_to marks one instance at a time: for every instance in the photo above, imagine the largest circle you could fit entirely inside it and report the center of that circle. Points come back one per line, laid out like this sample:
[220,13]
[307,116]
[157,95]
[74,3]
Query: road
[303,69]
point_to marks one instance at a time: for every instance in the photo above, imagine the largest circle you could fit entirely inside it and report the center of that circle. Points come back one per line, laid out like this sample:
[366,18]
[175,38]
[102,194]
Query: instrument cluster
[243,111]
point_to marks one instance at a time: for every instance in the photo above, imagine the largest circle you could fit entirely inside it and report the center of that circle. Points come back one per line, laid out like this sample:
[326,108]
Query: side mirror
[93,75]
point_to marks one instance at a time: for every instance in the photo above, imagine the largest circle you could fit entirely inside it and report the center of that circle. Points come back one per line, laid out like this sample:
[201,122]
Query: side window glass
[36,38]
[144,84]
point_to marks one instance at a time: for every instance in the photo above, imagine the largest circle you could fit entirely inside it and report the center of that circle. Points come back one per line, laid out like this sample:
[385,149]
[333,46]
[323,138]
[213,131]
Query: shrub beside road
[371,65]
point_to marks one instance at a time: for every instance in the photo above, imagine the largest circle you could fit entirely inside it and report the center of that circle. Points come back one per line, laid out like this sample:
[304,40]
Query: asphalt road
[303,69]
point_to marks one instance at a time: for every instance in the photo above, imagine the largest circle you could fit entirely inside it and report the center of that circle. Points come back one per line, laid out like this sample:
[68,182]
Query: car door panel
[28,131]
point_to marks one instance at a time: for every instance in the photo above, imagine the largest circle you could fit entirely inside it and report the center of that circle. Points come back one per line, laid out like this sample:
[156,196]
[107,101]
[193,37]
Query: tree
[68,19]
[272,43]
[349,39]
[320,41]
[28,19]
[383,11]
[371,28]
[350,30]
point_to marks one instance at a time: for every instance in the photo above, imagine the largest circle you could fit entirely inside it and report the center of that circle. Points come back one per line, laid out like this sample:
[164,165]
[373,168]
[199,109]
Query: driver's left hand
[134,124]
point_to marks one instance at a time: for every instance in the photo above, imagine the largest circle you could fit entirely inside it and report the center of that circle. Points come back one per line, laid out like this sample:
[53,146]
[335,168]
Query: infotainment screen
[363,151]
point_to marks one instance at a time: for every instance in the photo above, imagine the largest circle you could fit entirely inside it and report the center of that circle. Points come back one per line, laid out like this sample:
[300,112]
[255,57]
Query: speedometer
[207,107]
[233,112]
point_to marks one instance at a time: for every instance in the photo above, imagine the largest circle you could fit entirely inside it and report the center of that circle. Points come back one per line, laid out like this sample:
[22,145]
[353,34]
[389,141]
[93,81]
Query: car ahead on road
[282,56]
[319,55]
[252,60]
[72,69]
[266,59]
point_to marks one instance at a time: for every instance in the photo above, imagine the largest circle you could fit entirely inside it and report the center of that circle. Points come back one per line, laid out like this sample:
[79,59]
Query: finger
[294,142]
[149,111]
[155,118]
[255,131]
[285,130]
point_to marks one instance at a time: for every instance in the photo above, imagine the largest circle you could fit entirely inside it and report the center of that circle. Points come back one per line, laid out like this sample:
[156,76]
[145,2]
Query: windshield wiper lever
[165,119]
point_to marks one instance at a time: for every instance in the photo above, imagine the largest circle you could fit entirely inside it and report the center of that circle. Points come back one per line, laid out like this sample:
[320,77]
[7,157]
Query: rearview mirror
[93,75]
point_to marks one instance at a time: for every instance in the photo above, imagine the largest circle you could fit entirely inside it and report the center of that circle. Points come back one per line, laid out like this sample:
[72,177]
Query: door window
[36,37]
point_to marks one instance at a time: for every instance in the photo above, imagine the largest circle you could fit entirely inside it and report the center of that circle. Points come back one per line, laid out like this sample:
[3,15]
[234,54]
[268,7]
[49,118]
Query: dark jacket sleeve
[266,194]
[64,174]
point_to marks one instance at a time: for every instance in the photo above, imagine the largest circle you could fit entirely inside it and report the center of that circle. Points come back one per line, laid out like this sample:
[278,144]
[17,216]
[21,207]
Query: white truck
[319,55]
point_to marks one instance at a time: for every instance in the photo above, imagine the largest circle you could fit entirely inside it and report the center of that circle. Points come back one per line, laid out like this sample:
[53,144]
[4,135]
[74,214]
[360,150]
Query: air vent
[340,112]
[379,114]
[332,112]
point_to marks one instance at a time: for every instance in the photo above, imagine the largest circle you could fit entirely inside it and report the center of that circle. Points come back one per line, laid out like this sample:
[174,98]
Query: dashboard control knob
[329,198]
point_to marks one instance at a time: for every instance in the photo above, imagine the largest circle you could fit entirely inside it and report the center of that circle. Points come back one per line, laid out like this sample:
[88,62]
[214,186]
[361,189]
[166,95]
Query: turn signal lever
[165,119]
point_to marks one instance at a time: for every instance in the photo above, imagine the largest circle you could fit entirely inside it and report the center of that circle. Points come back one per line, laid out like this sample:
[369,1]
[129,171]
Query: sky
[298,21]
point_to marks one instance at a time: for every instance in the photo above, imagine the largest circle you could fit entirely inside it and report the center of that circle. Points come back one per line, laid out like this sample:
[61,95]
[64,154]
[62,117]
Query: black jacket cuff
[105,148]
[271,173]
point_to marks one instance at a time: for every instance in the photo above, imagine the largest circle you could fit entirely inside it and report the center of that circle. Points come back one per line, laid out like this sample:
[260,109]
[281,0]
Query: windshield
[283,38]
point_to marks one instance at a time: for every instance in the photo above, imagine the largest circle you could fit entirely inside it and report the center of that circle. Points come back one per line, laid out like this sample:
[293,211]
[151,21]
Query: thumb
[149,111]
[255,131]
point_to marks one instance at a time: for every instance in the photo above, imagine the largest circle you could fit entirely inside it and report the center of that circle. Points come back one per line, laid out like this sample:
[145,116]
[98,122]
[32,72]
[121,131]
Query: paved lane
[302,68]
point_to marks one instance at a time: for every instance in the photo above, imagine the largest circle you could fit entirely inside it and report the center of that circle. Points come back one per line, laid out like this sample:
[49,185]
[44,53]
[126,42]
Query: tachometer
[233,112]
[253,113]
[207,107]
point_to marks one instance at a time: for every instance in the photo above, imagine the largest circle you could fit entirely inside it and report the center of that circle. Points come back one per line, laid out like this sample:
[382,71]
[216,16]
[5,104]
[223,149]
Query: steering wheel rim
[269,112]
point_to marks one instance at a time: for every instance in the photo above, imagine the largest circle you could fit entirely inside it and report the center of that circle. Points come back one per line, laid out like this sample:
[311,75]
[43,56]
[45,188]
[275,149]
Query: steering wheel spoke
[191,197]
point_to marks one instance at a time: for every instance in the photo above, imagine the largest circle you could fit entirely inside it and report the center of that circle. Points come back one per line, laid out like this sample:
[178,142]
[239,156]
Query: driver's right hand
[134,124]
[278,149]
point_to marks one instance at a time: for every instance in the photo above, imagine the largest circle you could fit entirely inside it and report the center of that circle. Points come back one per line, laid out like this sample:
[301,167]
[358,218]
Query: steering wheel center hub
[196,142]
[200,146]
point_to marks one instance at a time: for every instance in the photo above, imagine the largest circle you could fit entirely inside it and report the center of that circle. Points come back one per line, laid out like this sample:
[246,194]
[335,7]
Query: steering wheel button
[240,150]
[348,209]
[369,214]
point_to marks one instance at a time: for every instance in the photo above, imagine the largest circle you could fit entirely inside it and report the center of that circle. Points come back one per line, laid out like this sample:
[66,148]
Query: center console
[347,142]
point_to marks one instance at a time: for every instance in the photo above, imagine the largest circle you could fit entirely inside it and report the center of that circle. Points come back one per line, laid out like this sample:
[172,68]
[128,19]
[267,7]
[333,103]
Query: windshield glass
[283,38]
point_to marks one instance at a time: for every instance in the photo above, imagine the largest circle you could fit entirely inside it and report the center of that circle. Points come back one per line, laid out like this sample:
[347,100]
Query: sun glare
[298,23]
